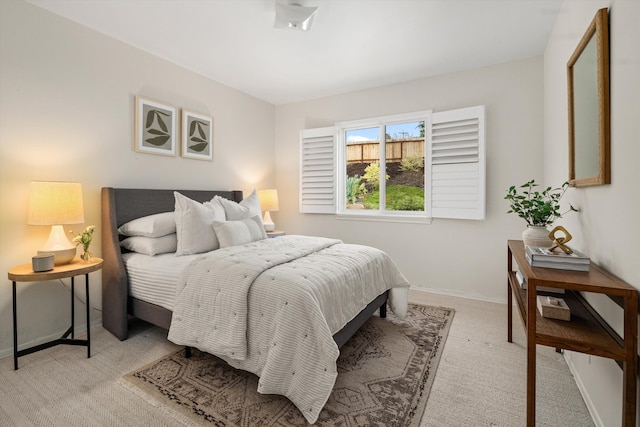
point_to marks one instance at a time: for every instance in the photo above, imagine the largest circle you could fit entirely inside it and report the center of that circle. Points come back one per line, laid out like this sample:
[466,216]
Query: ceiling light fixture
[294,17]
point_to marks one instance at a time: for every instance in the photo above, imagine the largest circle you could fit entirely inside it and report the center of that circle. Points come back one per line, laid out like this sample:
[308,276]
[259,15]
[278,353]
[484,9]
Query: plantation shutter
[457,159]
[317,171]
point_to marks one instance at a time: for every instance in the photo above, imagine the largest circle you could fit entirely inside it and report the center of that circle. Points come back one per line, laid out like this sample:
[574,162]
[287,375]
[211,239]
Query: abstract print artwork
[155,127]
[197,135]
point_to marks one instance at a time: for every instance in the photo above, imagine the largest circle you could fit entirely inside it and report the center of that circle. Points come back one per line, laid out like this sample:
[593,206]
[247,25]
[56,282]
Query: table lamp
[268,203]
[55,204]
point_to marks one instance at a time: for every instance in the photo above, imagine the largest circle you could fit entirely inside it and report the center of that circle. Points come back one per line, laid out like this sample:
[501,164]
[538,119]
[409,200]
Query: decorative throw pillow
[193,226]
[156,225]
[151,245]
[245,209]
[233,233]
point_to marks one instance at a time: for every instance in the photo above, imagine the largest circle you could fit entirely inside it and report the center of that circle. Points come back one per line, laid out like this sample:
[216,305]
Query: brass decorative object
[560,242]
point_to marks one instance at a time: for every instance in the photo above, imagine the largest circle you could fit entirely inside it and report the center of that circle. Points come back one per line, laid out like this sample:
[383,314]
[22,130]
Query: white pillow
[245,209]
[217,207]
[157,225]
[193,226]
[233,233]
[151,245]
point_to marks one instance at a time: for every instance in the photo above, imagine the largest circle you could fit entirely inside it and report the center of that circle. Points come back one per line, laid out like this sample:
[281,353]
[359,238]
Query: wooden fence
[396,150]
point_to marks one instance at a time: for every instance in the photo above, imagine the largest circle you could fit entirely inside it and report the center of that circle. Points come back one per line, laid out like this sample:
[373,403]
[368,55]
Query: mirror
[588,84]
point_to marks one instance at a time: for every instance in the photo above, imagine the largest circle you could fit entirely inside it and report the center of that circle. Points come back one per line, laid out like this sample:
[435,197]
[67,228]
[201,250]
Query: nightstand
[25,273]
[275,233]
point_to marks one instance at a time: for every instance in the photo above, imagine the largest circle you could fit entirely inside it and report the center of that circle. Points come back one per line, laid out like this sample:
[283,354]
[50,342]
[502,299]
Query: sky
[397,131]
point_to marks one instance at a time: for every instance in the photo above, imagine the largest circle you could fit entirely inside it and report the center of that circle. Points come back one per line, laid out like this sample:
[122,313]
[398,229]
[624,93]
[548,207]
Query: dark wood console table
[587,332]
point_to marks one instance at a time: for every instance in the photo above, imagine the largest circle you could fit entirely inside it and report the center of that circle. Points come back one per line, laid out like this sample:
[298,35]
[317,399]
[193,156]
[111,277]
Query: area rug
[385,373]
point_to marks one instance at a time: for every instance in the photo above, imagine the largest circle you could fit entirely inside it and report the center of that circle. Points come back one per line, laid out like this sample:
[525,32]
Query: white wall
[67,114]
[607,228]
[454,256]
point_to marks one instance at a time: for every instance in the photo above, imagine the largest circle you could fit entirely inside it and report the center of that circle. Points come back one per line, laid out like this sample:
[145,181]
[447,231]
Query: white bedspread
[271,308]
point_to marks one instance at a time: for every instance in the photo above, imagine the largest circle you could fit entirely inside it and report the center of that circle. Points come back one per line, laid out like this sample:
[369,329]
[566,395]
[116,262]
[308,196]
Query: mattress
[153,279]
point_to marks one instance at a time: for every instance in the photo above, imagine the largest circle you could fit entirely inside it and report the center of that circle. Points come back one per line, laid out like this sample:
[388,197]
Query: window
[418,165]
[382,165]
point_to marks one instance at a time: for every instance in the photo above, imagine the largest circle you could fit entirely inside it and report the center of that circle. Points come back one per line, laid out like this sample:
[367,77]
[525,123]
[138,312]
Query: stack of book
[522,281]
[541,257]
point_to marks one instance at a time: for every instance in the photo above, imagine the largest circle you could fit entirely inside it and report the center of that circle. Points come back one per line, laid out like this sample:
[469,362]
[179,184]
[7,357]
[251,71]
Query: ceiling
[352,45]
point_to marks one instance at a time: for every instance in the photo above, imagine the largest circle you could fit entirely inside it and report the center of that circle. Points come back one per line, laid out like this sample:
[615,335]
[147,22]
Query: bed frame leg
[187,352]
[383,310]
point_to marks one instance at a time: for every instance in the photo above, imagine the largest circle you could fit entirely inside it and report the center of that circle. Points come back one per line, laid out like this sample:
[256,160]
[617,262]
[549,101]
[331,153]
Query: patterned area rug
[385,373]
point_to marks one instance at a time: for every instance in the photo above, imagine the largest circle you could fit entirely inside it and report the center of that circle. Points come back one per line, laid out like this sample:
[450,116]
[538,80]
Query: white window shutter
[318,171]
[457,183]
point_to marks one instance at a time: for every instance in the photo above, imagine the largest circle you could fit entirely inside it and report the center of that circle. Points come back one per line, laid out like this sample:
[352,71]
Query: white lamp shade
[268,200]
[52,203]
[56,203]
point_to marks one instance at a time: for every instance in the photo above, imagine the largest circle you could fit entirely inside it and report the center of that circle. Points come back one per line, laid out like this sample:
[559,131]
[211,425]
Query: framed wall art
[197,135]
[155,127]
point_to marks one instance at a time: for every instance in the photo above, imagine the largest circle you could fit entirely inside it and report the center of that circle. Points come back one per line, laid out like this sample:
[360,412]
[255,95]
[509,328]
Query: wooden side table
[275,233]
[586,332]
[25,273]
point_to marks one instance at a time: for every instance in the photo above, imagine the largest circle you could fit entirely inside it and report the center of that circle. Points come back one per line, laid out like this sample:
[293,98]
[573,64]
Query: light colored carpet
[480,379]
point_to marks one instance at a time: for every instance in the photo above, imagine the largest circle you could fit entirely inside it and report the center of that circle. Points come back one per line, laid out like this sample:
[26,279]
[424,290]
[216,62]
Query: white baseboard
[584,392]
[458,294]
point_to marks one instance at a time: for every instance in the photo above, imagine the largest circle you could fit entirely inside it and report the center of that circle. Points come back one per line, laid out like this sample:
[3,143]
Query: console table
[586,332]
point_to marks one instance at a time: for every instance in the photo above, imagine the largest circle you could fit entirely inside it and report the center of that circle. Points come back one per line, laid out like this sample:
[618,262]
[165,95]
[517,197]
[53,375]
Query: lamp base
[61,257]
[267,222]
[62,249]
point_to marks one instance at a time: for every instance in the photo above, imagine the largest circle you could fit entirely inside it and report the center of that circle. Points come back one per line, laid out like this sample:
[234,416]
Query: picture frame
[197,136]
[155,127]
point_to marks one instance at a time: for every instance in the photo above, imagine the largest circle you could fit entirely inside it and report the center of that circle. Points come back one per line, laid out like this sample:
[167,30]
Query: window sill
[383,218]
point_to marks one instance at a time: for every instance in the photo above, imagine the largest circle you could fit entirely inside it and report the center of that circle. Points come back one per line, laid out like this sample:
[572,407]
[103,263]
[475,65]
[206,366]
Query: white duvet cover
[271,307]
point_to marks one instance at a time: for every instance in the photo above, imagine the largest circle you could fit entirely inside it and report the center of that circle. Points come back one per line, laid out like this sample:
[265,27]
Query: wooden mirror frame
[599,29]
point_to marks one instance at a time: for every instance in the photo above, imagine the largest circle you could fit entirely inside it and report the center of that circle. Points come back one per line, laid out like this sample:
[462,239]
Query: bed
[120,206]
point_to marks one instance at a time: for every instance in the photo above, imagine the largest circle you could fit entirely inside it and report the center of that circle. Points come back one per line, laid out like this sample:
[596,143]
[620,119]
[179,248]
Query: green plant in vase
[84,238]
[538,208]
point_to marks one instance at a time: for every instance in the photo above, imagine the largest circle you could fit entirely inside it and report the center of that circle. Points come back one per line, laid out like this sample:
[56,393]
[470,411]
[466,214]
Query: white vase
[537,235]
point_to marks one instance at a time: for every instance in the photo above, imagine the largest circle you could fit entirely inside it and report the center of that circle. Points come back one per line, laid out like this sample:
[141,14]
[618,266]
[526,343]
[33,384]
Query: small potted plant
[84,238]
[538,208]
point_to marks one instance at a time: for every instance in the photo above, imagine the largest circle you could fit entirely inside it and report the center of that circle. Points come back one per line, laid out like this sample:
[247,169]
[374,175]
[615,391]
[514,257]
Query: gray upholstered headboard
[121,205]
